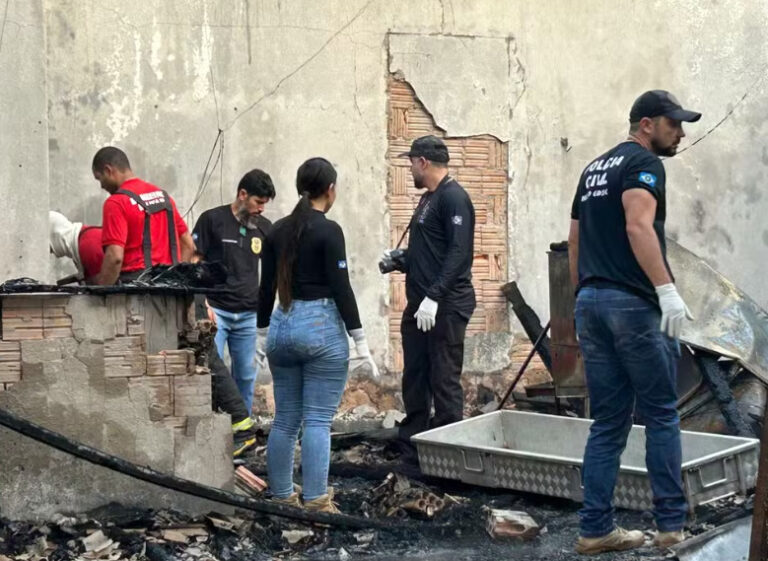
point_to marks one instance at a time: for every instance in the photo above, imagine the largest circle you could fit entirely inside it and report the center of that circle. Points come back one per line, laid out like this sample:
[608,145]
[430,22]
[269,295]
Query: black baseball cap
[656,103]
[429,147]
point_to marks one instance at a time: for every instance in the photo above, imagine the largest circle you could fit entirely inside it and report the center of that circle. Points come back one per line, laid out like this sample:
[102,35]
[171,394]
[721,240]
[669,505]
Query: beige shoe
[291,500]
[323,503]
[668,539]
[618,540]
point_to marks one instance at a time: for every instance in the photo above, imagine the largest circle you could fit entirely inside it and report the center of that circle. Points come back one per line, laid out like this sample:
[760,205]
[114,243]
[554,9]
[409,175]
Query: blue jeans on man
[238,332]
[630,365]
[308,354]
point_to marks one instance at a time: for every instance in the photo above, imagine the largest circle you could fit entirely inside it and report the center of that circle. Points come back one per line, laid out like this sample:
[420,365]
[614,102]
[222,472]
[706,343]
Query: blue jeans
[238,332]
[629,364]
[308,354]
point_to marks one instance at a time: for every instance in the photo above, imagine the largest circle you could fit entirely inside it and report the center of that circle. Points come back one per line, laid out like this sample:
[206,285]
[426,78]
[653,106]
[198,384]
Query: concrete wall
[23,140]
[85,367]
[289,80]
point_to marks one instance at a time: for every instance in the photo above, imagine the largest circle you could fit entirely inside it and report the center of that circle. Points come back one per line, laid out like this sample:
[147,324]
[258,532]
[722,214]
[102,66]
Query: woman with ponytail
[305,338]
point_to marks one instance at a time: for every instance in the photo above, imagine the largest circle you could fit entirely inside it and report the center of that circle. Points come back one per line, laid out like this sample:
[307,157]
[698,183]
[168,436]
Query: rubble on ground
[506,524]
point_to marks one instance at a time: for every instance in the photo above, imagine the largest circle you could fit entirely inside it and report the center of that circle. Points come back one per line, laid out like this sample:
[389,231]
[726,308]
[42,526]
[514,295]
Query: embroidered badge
[342,264]
[458,220]
[647,178]
[256,245]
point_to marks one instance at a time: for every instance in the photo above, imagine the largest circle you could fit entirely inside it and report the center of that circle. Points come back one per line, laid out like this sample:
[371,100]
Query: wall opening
[480,163]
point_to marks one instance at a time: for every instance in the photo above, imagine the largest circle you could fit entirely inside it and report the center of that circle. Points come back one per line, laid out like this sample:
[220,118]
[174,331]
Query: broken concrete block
[91,319]
[96,542]
[391,418]
[364,411]
[505,524]
[295,536]
[489,407]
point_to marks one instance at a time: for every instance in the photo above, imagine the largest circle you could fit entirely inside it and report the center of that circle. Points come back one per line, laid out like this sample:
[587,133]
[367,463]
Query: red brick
[480,164]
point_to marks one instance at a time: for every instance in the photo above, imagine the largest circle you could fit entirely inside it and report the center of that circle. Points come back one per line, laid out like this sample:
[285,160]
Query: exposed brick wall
[480,164]
[177,388]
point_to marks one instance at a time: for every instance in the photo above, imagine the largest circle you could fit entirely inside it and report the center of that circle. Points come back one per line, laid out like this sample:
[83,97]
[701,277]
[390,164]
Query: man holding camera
[439,292]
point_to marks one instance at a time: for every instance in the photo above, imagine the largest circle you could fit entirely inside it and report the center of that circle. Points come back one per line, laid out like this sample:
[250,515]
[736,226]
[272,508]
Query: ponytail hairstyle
[313,179]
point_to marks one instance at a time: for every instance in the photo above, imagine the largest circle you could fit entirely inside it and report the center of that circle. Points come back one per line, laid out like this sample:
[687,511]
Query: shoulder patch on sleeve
[647,177]
[342,264]
[458,220]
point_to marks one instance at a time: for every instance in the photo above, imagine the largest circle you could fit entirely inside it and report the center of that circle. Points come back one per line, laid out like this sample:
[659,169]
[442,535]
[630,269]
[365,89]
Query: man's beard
[418,182]
[667,151]
[247,219]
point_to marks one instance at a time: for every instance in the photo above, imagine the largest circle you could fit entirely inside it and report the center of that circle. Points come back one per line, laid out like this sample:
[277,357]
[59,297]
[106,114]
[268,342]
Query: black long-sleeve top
[320,270]
[441,249]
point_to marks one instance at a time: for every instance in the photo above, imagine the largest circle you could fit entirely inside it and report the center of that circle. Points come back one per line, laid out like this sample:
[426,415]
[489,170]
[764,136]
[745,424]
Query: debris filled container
[543,454]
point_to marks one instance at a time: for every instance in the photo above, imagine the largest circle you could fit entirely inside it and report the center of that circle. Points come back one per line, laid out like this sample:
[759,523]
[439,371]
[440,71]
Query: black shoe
[244,436]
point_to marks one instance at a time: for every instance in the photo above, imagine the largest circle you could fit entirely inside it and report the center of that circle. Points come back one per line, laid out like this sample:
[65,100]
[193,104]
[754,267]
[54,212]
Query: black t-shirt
[441,249]
[320,270]
[605,255]
[220,237]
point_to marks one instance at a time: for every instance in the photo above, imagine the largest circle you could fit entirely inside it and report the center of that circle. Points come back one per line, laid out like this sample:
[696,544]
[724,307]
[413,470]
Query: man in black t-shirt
[628,318]
[233,235]
[439,293]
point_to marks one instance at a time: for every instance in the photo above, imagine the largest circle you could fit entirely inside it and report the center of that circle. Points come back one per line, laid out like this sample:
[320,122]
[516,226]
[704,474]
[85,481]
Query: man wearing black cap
[628,318]
[439,292]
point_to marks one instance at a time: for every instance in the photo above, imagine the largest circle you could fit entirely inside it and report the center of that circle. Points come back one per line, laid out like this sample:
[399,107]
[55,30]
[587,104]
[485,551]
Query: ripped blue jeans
[630,365]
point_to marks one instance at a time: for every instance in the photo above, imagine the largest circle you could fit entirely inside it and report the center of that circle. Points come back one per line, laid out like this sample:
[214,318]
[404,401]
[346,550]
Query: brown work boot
[668,539]
[618,540]
[323,503]
[291,500]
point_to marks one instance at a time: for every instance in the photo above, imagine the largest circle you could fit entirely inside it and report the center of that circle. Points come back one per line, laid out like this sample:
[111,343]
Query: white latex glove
[363,354]
[673,310]
[261,346]
[426,314]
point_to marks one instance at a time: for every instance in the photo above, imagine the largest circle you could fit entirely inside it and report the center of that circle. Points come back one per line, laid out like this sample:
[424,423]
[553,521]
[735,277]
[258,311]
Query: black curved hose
[97,457]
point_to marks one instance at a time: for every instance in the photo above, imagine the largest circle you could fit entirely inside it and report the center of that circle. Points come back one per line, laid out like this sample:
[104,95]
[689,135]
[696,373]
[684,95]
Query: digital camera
[395,262]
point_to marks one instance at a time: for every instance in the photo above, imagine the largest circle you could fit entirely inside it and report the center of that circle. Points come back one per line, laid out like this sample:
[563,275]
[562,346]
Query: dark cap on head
[656,103]
[429,147]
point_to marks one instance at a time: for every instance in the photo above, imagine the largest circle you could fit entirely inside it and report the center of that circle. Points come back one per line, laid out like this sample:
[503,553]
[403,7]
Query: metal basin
[543,454]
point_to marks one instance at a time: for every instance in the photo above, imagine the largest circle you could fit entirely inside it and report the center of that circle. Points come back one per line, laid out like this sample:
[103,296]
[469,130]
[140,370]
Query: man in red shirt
[131,243]
[80,243]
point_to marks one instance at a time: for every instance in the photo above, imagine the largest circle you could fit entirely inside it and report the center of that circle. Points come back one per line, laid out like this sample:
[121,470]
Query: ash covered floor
[370,482]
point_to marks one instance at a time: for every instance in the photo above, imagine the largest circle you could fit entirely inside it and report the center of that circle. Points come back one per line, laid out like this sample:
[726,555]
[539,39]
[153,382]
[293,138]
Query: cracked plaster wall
[289,80]
[65,385]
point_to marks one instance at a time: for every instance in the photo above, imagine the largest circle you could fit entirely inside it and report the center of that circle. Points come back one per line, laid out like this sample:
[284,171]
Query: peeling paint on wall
[201,60]
[479,164]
